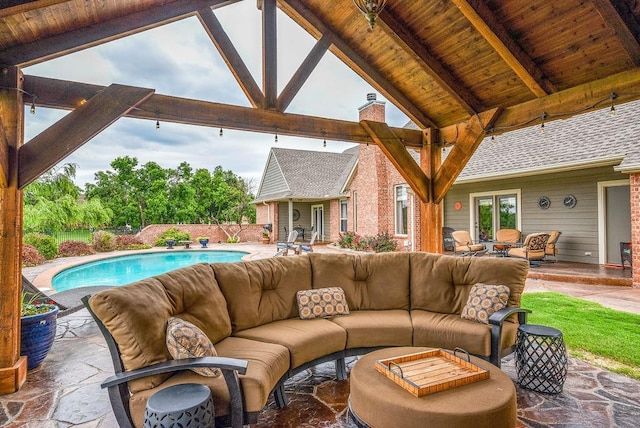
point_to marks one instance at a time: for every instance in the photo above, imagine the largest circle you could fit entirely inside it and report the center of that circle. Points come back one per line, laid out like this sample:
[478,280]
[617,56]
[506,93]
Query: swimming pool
[125,269]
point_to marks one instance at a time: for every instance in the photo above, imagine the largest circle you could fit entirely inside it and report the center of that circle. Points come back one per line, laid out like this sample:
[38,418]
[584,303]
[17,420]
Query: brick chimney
[373,110]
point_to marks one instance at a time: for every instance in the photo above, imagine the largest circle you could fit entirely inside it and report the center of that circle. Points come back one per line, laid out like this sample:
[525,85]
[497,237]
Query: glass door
[317,220]
[484,218]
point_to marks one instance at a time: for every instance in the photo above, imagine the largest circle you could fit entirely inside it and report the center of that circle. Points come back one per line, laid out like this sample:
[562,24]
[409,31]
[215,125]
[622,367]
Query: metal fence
[86,235]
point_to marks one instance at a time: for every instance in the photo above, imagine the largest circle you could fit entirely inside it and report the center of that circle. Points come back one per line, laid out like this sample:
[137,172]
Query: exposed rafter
[617,14]
[350,56]
[269,53]
[479,15]
[445,78]
[73,41]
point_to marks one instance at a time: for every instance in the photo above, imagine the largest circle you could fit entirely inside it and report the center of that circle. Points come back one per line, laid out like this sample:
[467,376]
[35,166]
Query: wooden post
[430,211]
[13,368]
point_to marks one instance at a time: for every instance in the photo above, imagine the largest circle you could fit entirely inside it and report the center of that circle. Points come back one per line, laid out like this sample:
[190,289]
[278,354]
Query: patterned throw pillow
[185,340]
[484,300]
[322,303]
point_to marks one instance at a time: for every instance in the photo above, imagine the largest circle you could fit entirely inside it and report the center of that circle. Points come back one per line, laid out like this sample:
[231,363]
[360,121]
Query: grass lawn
[604,337]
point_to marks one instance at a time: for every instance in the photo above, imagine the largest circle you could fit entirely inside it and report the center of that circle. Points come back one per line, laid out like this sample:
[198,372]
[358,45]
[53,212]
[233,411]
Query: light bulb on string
[221,132]
[275,140]
[544,115]
[612,111]
[33,108]
[157,124]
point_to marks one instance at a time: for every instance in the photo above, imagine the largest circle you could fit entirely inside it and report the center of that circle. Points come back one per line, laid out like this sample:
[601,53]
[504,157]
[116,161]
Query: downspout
[268,211]
[413,222]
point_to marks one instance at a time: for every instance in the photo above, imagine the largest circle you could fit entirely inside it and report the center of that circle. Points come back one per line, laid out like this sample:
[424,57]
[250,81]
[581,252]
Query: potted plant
[265,237]
[37,330]
[204,240]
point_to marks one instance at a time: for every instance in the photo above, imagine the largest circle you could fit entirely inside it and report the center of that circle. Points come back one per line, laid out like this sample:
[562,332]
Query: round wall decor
[569,201]
[457,205]
[544,202]
[296,214]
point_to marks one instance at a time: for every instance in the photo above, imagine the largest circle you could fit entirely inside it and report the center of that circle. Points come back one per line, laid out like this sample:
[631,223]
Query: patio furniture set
[269,319]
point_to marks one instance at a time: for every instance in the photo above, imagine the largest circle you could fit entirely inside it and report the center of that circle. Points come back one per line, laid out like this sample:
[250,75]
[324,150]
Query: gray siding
[304,220]
[273,181]
[579,226]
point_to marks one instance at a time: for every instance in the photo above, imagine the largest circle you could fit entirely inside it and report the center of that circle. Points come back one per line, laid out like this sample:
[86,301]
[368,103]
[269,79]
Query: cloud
[179,59]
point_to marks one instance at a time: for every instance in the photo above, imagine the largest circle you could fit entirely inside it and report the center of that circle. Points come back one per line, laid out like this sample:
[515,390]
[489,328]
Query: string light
[275,140]
[221,132]
[612,111]
[157,124]
[324,139]
[493,135]
[33,107]
[544,115]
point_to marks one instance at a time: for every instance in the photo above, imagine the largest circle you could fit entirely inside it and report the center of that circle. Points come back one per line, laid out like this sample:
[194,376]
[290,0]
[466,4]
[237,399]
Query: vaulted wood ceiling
[463,68]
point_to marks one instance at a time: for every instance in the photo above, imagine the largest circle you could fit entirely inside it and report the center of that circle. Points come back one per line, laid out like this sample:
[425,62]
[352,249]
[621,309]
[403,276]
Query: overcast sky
[179,59]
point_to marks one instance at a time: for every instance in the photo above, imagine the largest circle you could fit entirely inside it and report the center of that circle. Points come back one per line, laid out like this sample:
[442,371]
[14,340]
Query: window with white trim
[343,216]
[402,209]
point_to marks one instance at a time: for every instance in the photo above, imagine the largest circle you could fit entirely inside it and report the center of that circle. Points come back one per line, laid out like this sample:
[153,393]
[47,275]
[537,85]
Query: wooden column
[13,368]
[430,211]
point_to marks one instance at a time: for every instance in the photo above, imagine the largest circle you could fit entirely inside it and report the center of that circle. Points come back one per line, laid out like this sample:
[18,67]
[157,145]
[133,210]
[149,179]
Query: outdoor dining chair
[533,248]
[464,245]
[504,239]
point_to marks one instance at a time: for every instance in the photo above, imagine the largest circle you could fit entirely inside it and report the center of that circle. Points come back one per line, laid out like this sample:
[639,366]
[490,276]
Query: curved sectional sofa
[250,313]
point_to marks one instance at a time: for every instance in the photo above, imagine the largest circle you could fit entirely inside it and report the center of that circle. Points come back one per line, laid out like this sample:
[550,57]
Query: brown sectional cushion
[185,340]
[370,281]
[262,291]
[139,328]
[484,300]
[450,331]
[390,327]
[321,303]
[267,364]
[442,283]
[305,339]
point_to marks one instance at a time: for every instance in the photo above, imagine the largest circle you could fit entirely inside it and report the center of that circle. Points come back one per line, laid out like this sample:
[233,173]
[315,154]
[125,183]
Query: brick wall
[250,232]
[634,184]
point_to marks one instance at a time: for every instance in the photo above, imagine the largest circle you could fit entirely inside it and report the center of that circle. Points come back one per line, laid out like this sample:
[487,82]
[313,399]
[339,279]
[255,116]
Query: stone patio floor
[65,390]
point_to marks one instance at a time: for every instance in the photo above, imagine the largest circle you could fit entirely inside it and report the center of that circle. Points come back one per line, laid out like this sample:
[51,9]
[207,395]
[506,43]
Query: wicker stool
[541,358]
[180,406]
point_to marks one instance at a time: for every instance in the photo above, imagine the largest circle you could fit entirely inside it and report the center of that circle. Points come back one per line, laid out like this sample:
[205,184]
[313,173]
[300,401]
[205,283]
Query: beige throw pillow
[185,340]
[322,303]
[484,300]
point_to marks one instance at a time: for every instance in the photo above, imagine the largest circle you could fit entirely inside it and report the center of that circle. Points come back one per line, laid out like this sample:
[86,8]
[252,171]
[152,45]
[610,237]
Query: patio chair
[308,246]
[551,251]
[283,247]
[464,245]
[533,248]
[504,237]
[448,244]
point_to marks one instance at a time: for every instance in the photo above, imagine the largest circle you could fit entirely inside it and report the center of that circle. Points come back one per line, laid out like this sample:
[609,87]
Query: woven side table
[541,358]
[180,406]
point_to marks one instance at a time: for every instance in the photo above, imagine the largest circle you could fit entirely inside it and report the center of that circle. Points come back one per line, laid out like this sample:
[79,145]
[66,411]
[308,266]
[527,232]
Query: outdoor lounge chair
[283,247]
[533,248]
[504,237]
[551,251]
[464,245]
[448,244]
[307,247]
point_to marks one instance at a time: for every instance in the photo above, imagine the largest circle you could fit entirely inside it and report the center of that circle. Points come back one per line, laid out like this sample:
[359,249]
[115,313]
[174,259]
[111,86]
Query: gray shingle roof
[311,174]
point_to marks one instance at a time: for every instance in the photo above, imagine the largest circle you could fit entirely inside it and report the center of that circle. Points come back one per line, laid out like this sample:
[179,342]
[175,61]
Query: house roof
[305,174]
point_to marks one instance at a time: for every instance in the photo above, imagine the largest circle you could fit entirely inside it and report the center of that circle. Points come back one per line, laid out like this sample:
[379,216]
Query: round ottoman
[180,406]
[376,401]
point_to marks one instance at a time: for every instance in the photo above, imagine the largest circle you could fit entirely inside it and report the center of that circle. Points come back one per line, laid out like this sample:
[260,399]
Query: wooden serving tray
[431,371]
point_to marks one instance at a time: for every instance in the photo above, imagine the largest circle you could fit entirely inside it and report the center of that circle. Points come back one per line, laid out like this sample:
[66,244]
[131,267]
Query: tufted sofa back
[262,291]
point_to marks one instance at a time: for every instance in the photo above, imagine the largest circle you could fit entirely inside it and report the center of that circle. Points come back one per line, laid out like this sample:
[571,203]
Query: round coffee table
[376,401]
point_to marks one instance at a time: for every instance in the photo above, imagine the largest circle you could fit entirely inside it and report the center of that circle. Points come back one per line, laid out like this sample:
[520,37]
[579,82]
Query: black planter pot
[37,333]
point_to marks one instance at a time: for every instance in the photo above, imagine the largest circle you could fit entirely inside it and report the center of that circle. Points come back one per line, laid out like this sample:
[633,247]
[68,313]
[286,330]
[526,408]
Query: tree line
[137,195]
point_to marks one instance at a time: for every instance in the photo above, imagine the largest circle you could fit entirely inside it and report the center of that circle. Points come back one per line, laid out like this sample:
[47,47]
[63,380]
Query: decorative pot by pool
[36,336]
[204,242]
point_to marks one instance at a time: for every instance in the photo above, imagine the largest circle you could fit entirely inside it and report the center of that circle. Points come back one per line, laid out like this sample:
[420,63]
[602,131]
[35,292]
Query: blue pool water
[125,269]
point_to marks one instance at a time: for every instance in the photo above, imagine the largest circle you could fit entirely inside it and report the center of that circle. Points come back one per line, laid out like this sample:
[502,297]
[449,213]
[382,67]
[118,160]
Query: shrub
[102,241]
[172,233]
[382,243]
[31,256]
[128,242]
[348,240]
[74,248]
[233,240]
[45,244]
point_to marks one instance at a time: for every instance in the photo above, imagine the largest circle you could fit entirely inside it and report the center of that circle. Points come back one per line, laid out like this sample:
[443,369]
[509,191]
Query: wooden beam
[13,7]
[13,369]
[486,23]
[355,61]
[4,157]
[429,63]
[399,157]
[464,147]
[75,129]
[231,57]
[67,42]
[304,71]
[566,103]
[269,53]
[618,16]
[431,221]
[63,94]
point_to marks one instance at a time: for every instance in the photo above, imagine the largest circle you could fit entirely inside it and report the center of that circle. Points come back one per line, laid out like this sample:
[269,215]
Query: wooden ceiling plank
[468,140]
[485,22]
[72,131]
[430,64]
[22,6]
[355,61]
[270,53]
[616,13]
[231,57]
[304,71]
[73,41]
[566,103]
[395,151]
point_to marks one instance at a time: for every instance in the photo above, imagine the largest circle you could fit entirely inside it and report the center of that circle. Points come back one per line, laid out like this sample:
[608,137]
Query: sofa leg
[341,369]
[280,396]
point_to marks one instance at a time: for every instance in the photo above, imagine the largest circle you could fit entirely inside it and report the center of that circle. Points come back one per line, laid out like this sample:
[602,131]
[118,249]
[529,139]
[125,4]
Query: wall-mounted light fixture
[370,9]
